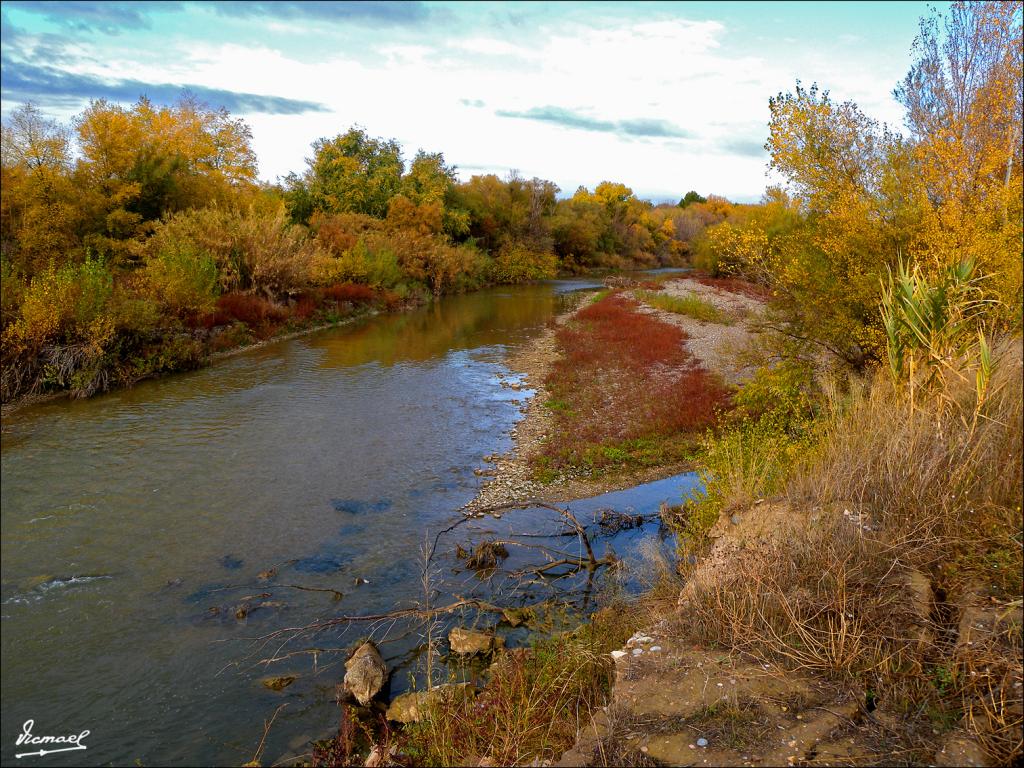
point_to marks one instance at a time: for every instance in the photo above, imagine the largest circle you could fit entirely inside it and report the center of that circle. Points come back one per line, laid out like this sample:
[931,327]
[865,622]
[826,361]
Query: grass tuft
[532,708]
[894,559]
[690,305]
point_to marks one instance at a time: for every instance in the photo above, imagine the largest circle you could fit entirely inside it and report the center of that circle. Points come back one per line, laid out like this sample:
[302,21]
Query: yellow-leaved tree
[963,97]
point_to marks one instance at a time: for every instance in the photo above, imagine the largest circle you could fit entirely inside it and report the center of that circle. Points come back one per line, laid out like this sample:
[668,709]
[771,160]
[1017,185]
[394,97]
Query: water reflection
[463,322]
[150,534]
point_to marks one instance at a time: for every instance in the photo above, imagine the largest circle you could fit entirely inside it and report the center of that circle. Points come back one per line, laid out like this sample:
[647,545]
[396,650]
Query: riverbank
[24,401]
[243,324]
[834,604]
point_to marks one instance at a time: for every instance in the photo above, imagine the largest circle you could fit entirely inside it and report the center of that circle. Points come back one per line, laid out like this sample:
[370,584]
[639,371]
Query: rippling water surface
[135,524]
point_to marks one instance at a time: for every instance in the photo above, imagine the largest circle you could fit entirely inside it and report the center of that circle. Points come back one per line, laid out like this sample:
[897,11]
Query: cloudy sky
[664,97]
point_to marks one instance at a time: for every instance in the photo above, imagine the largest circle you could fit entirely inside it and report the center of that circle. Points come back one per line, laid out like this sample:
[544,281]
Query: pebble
[637,651]
[702,742]
[655,648]
[618,654]
[735,519]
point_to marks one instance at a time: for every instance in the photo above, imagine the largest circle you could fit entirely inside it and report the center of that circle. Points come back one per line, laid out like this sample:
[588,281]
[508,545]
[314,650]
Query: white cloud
[490,46]
[679,72]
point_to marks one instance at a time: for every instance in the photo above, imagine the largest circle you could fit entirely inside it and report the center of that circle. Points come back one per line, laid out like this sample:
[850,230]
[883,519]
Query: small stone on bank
[702,742]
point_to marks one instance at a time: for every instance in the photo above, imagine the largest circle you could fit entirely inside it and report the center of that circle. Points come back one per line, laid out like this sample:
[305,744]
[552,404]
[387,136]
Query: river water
[137,523]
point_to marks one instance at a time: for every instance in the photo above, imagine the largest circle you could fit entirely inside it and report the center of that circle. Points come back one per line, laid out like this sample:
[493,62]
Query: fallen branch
[402,613]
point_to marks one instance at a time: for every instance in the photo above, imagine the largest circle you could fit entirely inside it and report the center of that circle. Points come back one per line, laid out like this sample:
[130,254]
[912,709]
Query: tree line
[137,238]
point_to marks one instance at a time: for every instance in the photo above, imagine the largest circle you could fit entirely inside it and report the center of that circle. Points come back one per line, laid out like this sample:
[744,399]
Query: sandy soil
[718,347]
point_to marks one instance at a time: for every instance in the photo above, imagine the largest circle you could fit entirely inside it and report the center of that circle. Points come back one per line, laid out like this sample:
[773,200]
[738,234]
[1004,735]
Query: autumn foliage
[157,229]
[861,197]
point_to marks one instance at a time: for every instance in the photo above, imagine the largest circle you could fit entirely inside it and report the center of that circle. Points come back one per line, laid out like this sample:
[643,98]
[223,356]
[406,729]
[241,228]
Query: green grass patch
[691,306]
[557,405]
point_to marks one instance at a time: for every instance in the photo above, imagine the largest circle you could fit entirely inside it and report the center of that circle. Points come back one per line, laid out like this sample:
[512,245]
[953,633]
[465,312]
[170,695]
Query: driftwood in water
[486,557]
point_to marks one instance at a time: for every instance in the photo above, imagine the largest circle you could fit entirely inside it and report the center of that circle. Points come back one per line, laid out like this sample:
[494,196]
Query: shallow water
[137,523]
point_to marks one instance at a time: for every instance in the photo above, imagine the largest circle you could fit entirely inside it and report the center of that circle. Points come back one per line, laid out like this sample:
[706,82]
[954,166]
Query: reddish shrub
[610,334]
[391,299]
[267,330]
[340,232]
[306,306]
[735,285]
[626,376]
[251,310]
[210,320]
[353,292]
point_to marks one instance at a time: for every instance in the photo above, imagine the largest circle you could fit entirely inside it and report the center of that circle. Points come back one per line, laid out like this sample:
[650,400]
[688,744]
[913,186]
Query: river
[136,523]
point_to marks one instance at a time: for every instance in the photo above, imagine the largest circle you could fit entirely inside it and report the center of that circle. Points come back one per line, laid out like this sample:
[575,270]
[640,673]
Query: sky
[664,97]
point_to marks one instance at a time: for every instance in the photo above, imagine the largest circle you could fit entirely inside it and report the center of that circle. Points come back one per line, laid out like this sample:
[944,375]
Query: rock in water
[468,642]
[279,683]
[365,673]
[414,706]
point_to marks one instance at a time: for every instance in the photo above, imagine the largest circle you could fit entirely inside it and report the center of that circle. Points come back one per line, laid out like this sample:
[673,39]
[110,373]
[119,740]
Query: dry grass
[690,305]
[534,705]
[905,512]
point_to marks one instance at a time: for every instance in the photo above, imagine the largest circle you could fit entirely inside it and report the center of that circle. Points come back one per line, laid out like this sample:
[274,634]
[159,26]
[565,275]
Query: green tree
[429,179]
[690,198]
[353,173]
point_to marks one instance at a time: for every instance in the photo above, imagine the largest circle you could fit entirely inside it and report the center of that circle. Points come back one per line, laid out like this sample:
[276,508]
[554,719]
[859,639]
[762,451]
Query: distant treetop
[691,197]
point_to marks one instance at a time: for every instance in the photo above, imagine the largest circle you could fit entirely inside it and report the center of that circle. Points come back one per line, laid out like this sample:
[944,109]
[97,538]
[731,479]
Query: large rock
[959,749]
[469,642]
[365,673]
[413,706]
[379,756]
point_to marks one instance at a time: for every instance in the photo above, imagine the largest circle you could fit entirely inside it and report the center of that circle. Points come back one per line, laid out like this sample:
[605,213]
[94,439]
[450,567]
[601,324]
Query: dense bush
[251,251]
[182,278]
[517,264]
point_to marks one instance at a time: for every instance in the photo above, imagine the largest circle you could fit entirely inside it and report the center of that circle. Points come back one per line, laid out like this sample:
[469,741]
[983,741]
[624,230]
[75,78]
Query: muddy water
[136,526]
